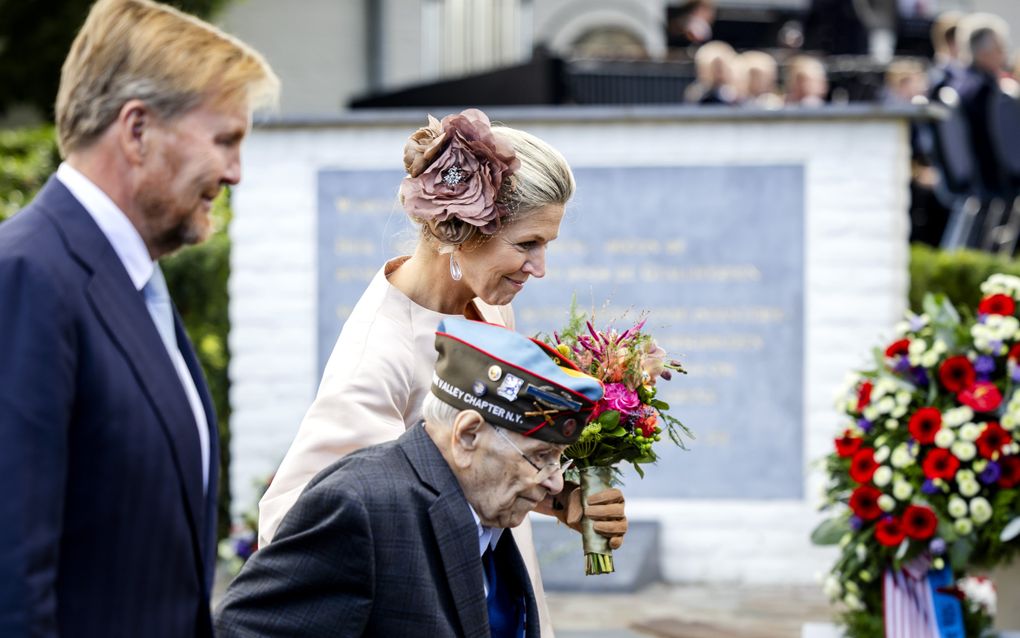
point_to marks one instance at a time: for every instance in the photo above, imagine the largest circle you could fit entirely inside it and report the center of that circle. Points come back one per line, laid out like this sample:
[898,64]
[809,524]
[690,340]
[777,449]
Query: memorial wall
[767,250]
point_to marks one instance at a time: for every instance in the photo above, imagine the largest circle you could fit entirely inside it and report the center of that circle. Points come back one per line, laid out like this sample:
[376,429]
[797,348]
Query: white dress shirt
[130,249]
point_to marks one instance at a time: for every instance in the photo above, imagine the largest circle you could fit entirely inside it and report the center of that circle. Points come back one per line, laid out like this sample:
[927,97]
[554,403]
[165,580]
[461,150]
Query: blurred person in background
[985,41]
[947,70]
[759,74]
[714,64]
[806,82]
[692,22]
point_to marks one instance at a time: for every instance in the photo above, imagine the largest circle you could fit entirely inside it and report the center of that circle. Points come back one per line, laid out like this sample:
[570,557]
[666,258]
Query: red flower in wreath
[889,532]
[864,503]
[992,440]
[919,522]
[863,465]
[847,446]
[925,424]
[997,305]
[982,397]
[957,373]
[1014,353]
[1010,476]
[898,348]
[864,395]
[940,464]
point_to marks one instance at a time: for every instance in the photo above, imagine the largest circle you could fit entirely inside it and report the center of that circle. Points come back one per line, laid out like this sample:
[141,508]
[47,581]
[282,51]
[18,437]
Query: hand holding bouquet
[624,425]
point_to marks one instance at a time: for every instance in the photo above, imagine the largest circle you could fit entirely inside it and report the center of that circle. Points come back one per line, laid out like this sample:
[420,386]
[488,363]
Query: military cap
[513,381]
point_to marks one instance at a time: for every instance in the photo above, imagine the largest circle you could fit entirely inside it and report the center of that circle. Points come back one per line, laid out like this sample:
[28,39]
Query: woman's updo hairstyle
[467,179]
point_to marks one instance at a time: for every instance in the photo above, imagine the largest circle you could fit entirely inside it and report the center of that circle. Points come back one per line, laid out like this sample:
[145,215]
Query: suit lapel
[210,513]
[455,531]
[122,311]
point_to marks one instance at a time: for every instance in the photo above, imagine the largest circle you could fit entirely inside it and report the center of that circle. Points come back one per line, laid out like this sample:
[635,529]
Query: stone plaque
[714,255]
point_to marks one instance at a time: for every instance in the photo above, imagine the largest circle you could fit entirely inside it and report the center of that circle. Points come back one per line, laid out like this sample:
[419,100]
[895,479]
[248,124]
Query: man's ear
[465,432]
[135,123]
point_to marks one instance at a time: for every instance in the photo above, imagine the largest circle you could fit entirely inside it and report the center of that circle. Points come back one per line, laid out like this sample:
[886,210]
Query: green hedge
[197,276]
[956,274]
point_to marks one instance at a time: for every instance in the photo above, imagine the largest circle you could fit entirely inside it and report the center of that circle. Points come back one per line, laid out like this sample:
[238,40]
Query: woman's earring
[455,272]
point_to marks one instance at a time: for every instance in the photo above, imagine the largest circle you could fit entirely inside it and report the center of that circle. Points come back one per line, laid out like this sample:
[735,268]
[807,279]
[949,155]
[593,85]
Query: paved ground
[690,611]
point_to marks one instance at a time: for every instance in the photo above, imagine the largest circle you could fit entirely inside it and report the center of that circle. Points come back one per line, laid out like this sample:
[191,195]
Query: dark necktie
[505,612]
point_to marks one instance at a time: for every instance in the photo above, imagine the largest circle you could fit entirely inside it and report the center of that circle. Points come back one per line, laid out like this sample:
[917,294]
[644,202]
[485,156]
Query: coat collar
[122,311]
[457,536]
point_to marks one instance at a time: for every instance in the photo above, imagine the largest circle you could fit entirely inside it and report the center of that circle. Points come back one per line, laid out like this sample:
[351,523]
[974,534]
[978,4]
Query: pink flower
[456,170]
[620,398]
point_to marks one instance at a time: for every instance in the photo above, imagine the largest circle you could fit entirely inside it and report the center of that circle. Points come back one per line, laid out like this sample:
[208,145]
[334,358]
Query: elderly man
[405,538]
[106,427]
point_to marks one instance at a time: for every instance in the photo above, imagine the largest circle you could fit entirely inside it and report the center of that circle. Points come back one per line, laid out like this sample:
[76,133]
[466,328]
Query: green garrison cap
[515,382]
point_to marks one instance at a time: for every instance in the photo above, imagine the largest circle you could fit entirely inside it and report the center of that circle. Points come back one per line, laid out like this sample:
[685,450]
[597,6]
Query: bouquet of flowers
[626,422]
[923,481]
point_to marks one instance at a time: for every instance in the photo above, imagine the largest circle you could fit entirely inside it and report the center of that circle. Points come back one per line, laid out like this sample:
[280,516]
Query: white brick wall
[856,282]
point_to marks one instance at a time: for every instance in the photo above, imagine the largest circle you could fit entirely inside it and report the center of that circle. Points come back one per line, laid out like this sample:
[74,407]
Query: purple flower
[984,364]
[937,546]
[995,346]
[864,424]
[902,365]
[981,318]
[920,377]
[1014,373]
[856,523]
[916,323]
[991,473]
[929,487]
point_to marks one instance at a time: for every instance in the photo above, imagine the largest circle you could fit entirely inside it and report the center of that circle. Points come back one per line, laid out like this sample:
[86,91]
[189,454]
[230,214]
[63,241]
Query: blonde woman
[488,201]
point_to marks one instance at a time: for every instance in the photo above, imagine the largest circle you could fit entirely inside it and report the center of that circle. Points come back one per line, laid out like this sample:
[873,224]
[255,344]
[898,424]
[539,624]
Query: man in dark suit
[406,538]
[106,428]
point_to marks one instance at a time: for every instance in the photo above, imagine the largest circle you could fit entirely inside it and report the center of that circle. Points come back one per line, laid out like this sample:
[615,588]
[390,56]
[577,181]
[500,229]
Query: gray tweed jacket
[381,543]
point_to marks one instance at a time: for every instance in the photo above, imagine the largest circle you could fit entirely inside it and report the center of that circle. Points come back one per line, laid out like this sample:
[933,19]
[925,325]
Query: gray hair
[437,412]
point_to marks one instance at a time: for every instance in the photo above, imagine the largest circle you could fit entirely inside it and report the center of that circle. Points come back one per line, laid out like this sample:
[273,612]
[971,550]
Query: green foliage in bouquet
[927,468]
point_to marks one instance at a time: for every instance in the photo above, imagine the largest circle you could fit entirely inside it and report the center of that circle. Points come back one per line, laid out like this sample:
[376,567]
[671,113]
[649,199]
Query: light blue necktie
[157,298]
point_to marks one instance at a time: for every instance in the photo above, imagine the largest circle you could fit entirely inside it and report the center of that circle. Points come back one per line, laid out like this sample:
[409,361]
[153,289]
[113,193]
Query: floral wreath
[459,176]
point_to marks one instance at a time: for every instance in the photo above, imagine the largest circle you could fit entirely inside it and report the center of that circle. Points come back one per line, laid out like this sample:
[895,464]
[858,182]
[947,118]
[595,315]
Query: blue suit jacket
[104,528]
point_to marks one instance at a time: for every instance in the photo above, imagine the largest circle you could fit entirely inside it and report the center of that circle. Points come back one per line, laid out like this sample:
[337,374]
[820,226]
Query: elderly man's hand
[605,509]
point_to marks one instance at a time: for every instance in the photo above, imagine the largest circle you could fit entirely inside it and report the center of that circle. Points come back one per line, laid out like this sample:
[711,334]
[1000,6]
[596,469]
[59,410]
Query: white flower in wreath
[964,450]
[929,359]
[970,432]
[871,413]
[915,350]
[886,405]
[852,601]
[892,424]
[963,526]
[969,488]
[956,417]
[862,552]
[903,398]
[833,590]
[883,475]
[944,438]
[980,510]
[901,457]
[902,490]
[882,454]
[886,503]
[980,593]
[957,507]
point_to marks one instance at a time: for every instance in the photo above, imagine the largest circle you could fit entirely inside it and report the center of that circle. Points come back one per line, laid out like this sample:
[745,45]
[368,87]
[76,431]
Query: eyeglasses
[544,470]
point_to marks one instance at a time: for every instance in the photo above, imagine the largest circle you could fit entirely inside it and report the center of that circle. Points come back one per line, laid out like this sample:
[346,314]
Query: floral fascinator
[458,169]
